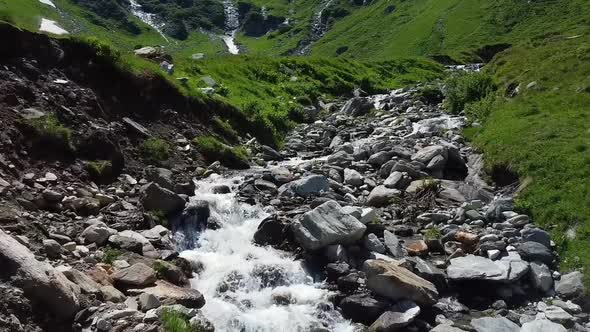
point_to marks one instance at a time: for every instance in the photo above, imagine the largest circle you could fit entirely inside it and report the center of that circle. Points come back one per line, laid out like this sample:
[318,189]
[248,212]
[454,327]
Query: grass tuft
[214,150]
[155,150]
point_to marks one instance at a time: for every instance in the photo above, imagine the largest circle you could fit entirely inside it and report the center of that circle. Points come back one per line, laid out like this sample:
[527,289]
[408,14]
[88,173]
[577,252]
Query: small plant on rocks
[155,150]
[111,255]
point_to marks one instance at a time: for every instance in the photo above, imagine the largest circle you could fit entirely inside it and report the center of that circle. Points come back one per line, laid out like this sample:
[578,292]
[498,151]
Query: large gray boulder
[381,196]
[403,314]
[473,267]
[571,285]
[357,106]
[305,187]
[137,275]
[161,176]
[395,282]
[426,154]
[156,198]
[325,225]
[170,294]
[494,324]
[39,280]
[542,325]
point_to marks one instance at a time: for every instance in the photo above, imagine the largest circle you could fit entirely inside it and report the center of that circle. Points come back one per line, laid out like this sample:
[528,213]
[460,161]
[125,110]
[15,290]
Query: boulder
[156,198]
[148,301]
[326,225]
[39,280]
[426,154]
[541,277]
[305,187]
[169,294]
[353,177]
[395,282]
[86,284]
[392,243]
[494,324]
[52,248]
[536,235]
[543,325]
[362,308]
[98,234]
[110,293]
[473,267]
[373,243]
[357,106]
[271,231]
[137,275]
[571,285]
[161,176]
[403,314]
[535,251]
[381,196]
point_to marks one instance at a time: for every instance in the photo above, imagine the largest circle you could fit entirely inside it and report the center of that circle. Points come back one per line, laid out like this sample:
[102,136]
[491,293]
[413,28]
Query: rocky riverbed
[376,217]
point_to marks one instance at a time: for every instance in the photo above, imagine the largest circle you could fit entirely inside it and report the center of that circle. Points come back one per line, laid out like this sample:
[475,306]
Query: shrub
[466,88]
[479,110]
[225,129]
[155,150]
[111,255]
[50,135]
[174,321]
[430,95]
[213,150]
[432,234]
[99,169]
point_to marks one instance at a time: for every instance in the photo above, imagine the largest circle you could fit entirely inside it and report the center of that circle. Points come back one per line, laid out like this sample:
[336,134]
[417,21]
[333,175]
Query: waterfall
[231,26]
[147,18]
[247,287]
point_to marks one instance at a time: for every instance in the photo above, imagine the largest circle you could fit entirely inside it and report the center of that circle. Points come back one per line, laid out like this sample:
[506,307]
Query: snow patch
[51,27]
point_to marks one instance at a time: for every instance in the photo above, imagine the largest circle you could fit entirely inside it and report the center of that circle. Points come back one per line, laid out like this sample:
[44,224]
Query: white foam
[47,2]
[249,307]
[51,27]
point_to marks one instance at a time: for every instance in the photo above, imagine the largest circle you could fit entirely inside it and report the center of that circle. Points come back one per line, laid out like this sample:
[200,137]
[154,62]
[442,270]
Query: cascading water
[251,288]
[231,26]
[147,18]
[318,28]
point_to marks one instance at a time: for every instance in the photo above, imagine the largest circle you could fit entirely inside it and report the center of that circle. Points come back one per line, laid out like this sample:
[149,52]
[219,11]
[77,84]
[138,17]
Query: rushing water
[231,26]
[147,18]
[242,281]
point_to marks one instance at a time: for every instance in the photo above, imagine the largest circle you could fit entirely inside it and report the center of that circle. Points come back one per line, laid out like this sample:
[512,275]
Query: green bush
[462,89]
[155,150]
[224,128]
[430,95]
[111,255]
[174,321]
[479,110]
[49,133]
[214,150]
[99,169]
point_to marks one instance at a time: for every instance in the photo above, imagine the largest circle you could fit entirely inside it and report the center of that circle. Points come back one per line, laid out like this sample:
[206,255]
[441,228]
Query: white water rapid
[147,18]
[231,26]
[241,281]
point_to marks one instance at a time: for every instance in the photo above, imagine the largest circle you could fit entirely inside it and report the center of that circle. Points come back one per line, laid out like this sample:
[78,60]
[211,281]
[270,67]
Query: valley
[305,165]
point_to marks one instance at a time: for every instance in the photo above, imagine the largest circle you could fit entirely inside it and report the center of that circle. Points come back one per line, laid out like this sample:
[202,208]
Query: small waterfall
[147,18]
[231,26]
[318,29]
[249,288]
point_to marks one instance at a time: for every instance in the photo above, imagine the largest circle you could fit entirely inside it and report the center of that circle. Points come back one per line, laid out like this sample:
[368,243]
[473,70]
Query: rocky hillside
[376,217]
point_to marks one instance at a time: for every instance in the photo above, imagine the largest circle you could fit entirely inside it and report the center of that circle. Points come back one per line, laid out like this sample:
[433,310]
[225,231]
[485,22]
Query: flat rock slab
[494,324]
[473,267]
[325,225]
[395,282]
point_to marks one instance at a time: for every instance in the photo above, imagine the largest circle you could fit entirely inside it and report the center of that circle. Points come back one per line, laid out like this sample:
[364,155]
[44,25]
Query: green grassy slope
[544,134]
[453,27]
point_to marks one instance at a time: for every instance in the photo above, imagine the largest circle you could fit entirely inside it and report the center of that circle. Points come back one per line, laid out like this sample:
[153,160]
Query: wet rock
[326,225]
[39,280]
[401,316]
[156,198]
[271,231]
[362,308]
[310,185]
[221,189]
[137,275]
[396,282]
[170,294]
